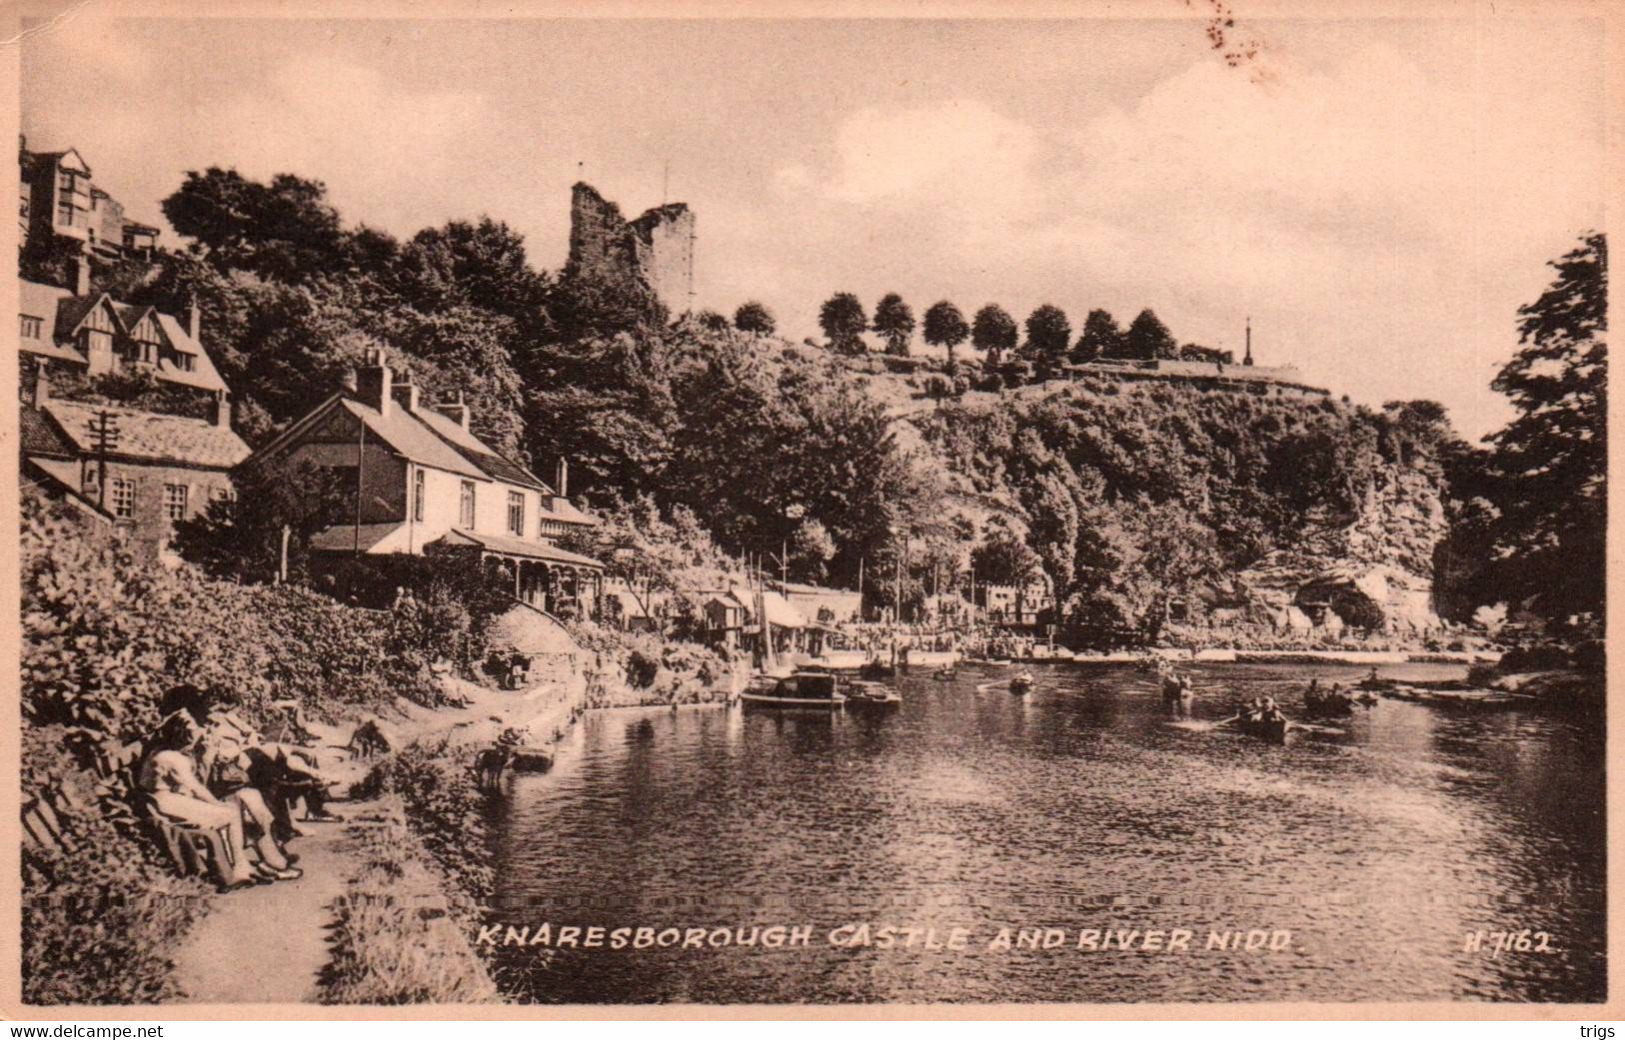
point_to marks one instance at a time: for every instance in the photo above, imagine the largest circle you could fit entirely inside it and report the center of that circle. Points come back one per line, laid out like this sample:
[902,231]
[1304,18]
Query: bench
[194,851]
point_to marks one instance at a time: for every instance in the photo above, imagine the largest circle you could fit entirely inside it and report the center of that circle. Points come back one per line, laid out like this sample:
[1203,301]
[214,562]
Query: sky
[1379,196]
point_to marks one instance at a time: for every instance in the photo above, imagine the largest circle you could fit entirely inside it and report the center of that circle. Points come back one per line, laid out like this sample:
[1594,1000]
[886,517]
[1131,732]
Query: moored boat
[799,690]
[1021,682]
[864,695]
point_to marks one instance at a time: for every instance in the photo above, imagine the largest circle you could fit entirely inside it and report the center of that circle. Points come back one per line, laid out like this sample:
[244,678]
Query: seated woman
[170,780]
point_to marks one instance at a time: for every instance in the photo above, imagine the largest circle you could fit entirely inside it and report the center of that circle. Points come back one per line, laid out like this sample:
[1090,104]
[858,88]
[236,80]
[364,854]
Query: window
[122,497]
[418,491]
[31,327]
[64,211]
[185,362]
[65,180]
[465,506]
[516,512]
[175,500]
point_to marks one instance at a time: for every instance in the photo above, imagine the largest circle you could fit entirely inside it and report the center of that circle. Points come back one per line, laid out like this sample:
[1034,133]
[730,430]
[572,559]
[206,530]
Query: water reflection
[1379,841]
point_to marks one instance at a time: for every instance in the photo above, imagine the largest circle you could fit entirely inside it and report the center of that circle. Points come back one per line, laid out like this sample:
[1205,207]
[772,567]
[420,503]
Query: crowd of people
[204,766]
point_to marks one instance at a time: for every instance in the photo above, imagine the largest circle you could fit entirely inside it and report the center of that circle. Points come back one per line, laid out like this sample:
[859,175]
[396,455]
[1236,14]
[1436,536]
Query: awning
[506,545]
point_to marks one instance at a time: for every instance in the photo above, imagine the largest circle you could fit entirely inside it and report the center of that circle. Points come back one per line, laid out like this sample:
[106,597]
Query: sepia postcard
[958,510]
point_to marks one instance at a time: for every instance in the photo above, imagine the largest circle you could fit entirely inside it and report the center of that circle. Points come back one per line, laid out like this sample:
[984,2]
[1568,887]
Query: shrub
[641,670]
[100,921]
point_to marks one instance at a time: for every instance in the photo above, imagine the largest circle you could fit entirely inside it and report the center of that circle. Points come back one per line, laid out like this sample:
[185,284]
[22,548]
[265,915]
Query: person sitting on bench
[262,777]
[169,777]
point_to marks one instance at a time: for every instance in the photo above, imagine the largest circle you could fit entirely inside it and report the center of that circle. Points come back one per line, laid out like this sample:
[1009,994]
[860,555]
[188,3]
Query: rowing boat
[1272,730]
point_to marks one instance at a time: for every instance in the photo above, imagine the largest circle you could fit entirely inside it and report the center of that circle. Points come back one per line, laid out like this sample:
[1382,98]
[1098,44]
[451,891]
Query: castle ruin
[655,251]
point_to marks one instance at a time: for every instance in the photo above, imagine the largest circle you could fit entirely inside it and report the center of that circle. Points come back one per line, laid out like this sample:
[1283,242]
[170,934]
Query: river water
[1366,850]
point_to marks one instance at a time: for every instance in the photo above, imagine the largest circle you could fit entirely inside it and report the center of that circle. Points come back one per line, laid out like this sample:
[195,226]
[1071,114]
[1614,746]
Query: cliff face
[1374,570]
[1205,513]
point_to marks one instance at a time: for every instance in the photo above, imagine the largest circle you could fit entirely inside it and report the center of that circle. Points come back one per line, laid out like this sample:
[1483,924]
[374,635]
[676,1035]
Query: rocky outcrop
[1372,571]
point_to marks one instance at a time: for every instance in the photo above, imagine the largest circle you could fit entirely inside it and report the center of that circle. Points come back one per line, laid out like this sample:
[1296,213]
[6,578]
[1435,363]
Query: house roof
[39,480]
[366,537]
[560,509]
[64,312]
[401,431]
[39,435]
[151,437]
[476,451]
[511,546]
[204,375]
[39,299]
[778,609]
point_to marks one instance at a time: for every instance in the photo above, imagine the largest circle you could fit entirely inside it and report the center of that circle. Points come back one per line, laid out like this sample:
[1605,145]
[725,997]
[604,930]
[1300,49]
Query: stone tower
[655,251]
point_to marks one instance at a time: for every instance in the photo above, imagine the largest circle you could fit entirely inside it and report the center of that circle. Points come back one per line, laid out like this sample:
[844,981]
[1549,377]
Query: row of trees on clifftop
[993,332]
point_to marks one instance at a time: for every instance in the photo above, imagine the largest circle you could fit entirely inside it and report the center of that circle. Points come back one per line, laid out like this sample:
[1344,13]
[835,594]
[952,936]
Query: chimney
[374,382]
[42,383]
[406,395]
[456,410]
[81,276]
[222,410]
[561,477]
[194,321]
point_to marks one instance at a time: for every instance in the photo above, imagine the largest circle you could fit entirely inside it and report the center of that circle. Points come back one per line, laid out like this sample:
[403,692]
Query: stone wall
[655,251]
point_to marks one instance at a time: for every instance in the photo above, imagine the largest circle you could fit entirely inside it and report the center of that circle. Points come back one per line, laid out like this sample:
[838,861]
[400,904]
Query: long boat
[819,690]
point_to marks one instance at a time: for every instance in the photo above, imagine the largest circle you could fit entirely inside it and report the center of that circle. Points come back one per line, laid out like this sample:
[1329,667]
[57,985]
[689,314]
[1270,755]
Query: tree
[754,318]
[470,265]
[894,320]
[945,327]
[711,320]
[1551,461]
[843,321]
[242,537]
[1148,338]
[1049,335]
[1101,338]
[284,230]
[1004,559]
[994,333]
[811,548]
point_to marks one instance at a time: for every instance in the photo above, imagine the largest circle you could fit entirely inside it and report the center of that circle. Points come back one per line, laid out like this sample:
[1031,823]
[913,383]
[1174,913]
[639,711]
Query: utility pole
[104,434]
[901,560]
[360,468]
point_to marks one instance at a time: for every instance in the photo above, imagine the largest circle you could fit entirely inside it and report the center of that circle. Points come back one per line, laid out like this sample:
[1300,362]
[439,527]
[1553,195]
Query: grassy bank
[104,634]
[401,934]
[423,877]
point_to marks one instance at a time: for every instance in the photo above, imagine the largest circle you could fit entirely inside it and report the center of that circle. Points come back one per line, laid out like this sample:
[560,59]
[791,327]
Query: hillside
[1258,518]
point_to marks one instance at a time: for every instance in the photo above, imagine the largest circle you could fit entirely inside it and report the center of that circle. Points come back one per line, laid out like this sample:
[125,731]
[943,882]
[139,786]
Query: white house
[421,479]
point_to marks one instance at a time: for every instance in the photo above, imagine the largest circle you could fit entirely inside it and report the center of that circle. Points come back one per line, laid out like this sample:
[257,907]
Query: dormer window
[185,362]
